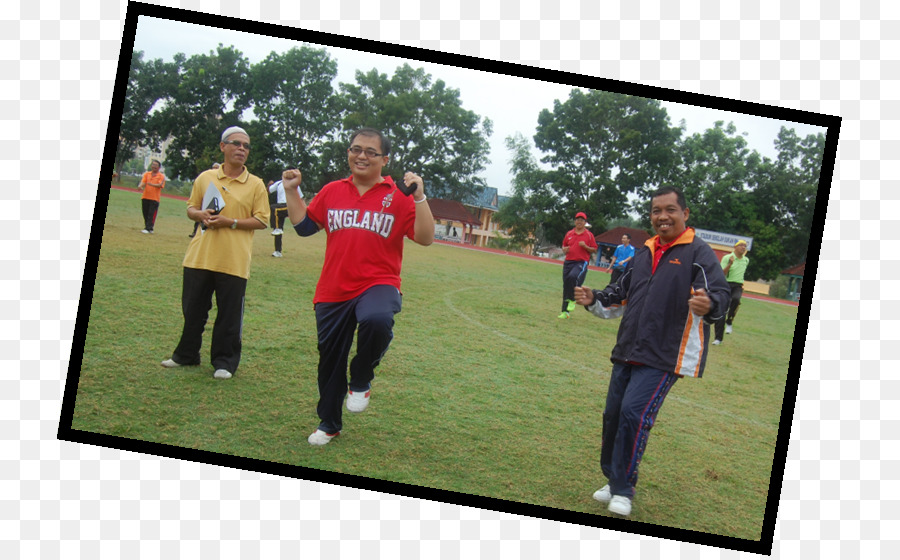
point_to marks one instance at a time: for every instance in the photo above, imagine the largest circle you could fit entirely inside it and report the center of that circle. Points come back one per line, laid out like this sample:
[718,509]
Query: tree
[794,186]
[431,133]
[732,189]
[292,97]
[603,147]
[713,170]
[209,94]
[524,213]
[147,85]
[535,210]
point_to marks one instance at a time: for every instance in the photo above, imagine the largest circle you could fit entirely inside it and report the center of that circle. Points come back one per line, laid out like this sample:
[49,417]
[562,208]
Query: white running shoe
[222,374]
[357,402]
[170,363]
[277,231]
[727,329]
[716,342]
[620,505]
[144,231]
[603,495]
[321,438]
[277,254]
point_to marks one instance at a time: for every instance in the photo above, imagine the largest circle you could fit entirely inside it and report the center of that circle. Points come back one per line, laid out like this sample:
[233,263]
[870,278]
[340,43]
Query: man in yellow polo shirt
[734,265]
[218,258]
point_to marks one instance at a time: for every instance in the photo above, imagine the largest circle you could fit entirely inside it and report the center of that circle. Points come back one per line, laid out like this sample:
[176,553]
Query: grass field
[483,390]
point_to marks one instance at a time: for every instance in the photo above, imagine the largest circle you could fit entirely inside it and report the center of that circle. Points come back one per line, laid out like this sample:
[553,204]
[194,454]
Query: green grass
[483,390]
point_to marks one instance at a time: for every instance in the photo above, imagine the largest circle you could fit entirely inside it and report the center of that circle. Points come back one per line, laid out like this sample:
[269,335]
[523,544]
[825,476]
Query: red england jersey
[576,252]
[365,237]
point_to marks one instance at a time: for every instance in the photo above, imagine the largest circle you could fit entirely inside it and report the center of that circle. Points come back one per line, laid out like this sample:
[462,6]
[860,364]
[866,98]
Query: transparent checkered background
[59,62]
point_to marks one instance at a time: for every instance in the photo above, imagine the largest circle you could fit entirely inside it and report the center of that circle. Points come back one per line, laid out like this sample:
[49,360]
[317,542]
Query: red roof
[614,236]
[796,270]
[451,210]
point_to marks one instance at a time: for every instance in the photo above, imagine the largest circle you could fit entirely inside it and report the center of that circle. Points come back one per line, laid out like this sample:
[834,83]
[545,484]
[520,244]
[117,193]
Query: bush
[779,288]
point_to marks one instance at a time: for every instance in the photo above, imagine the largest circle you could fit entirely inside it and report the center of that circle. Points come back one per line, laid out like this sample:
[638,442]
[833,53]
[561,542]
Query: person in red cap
[578,245]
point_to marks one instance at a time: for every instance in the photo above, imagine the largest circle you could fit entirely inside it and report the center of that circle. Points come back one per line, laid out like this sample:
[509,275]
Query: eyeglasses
[370,153]
[238,143]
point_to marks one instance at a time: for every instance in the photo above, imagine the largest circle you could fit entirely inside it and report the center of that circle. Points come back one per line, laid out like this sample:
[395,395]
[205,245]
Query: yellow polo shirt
[227,250]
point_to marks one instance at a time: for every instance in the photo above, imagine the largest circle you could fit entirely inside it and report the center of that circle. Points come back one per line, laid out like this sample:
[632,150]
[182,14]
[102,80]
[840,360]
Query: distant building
[484,205]
[146,154]
[470,221]
[795,280]
[452,220]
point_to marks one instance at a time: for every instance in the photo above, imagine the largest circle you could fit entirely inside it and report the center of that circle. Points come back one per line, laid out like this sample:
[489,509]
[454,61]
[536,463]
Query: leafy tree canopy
[206,95]
[292,97]
[430,132]
[604,147]
[147,85]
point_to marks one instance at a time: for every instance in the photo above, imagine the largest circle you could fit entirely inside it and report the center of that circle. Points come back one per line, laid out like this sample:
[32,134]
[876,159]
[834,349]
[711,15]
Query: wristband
[424,198]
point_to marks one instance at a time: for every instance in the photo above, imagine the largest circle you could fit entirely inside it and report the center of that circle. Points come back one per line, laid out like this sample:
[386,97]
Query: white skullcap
[233,130]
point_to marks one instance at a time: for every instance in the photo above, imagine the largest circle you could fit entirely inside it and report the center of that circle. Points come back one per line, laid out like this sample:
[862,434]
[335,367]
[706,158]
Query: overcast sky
[511,102]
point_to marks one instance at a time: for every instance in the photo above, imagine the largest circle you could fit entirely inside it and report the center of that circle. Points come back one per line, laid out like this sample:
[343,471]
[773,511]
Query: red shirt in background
[576,251]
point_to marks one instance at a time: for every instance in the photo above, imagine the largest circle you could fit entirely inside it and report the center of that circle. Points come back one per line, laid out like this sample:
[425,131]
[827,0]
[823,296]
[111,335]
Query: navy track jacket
[658,328]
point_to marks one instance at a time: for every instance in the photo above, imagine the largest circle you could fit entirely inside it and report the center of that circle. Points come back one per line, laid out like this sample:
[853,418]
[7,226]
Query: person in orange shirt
[151,186]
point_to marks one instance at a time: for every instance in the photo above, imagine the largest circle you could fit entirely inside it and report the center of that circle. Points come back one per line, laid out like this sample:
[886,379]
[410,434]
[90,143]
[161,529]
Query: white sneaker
[277,231]
[727,329]
[321,438]
[620,505]
[222,374]
[277,254]
[144,231]
[716,342]
[603,494]
[170,363]
[357,402]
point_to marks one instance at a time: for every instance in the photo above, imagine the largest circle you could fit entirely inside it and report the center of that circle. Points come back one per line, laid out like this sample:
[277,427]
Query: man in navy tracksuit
[668,296]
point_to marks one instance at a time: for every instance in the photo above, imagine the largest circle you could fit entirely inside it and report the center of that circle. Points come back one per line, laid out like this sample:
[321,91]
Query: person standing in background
[578,245]
[734,265]
[151,186]
[278,215]
[620,259]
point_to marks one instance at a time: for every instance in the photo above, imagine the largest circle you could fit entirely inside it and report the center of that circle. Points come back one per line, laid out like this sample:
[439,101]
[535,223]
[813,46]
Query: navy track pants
[373,312]
[635,396]
[574,273]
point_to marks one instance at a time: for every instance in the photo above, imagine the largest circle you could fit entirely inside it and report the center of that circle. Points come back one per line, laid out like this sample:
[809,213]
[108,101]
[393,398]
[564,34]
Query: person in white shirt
[278,216]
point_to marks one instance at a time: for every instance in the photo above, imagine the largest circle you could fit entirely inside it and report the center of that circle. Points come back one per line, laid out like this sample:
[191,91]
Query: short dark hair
[367,131]
[666,189]
[627,235]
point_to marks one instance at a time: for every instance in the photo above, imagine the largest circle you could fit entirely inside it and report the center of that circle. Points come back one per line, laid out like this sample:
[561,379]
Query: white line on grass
[534,348]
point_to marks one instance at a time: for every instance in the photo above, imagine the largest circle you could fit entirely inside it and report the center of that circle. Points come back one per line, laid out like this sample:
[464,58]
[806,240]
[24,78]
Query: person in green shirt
[734,265]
